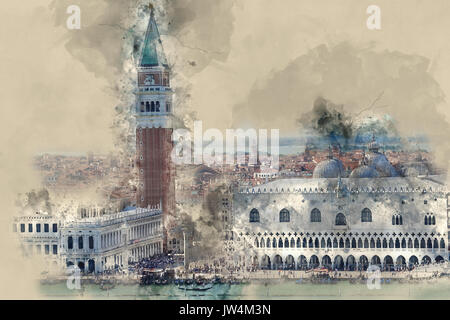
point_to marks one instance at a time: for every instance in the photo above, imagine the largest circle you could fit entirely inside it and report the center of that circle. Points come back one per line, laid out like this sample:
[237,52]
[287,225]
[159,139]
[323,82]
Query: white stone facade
[94,244]
[39,234]
[341,223]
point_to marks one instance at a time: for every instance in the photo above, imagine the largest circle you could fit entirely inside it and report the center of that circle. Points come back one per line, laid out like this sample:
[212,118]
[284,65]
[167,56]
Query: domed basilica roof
[374,165]
[364,171]
[330,168]
[379,162]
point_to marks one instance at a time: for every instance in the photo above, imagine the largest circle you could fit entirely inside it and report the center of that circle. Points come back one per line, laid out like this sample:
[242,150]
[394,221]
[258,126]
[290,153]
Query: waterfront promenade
[419,273]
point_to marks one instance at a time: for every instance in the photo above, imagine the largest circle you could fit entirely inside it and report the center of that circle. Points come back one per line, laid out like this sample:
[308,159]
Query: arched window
[292,243]
[152,108]
[70,242]
[429,220]
[378,243]
[298,243]
[340,220]
[436,243]
[256,243]
[316,243]
[335,243]
[91,242]
[286,243]
[416,243]
[366,243]
[268,243]
[353,243]
[274,243]
[167,107]
[385,243]
[157,106]
[347,243]
[366,215]
[284,215]
[142,110]
[315,215]
[360,243]
[422,243]
[442,244]
[254,215]
[147,106]
[322,243]
[80,242]
[280,243]
[397,219]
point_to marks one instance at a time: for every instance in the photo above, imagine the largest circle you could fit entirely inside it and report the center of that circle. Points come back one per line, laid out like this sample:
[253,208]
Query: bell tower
[154,126]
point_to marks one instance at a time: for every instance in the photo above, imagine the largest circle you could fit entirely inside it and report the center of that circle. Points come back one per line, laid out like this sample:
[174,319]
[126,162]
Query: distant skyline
[295,144]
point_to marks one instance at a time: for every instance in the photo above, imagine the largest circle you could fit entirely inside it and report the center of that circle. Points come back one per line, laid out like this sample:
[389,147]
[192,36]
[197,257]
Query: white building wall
[117,238]
[412,199]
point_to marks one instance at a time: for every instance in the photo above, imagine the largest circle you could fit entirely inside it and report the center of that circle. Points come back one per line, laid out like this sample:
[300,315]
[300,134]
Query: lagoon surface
[287,289]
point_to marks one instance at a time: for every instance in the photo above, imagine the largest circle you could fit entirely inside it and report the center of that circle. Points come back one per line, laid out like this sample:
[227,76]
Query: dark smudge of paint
[328,119]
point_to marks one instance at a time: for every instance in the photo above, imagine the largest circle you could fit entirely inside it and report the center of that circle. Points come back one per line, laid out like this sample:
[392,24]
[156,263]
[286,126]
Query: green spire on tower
[152,51]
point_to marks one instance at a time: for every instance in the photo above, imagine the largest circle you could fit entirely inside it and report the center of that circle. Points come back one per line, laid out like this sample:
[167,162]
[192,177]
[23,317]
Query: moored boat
[196,287]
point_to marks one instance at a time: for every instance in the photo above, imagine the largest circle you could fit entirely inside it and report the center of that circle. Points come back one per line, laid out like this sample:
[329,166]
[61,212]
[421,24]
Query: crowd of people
[159,261]
[219,266]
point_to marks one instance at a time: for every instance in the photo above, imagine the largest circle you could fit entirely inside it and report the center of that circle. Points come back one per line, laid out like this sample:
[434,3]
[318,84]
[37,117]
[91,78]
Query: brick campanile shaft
[154,128]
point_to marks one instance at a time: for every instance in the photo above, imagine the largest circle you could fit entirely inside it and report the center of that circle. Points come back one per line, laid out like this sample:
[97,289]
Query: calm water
[278,290]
